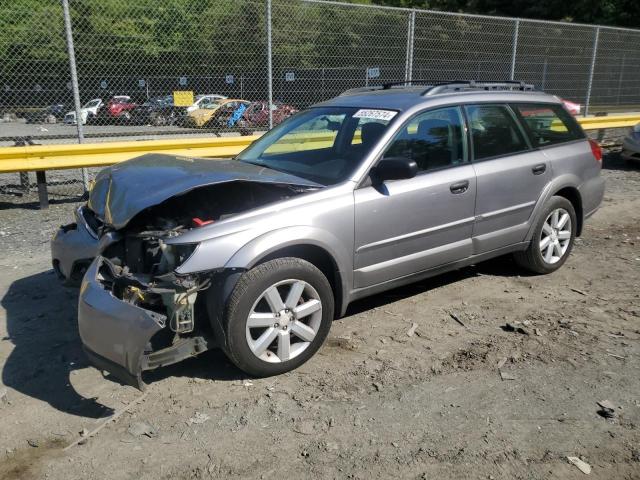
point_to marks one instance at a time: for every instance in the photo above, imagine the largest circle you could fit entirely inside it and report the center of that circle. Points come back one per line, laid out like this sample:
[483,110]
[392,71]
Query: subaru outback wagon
[370,190]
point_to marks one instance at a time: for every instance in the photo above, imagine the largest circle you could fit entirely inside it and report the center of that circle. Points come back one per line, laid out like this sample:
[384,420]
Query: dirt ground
[461,398]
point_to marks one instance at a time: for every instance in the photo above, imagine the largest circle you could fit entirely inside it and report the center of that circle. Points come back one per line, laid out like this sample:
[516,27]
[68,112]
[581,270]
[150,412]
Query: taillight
[596,149]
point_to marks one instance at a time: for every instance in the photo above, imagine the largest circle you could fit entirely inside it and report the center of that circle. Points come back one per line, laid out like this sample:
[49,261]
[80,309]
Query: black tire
[249,288]
[158,120]
[531,259]
[125,118]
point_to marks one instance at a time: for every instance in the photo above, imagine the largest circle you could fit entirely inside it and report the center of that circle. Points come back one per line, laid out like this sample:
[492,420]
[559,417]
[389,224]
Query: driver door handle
[459,187]
[539,169]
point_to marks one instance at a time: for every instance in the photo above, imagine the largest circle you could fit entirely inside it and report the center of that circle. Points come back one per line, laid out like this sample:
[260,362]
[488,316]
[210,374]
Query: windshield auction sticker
[377,114]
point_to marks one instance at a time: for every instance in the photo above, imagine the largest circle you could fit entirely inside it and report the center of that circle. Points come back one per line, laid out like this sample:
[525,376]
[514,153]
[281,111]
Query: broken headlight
[172,256]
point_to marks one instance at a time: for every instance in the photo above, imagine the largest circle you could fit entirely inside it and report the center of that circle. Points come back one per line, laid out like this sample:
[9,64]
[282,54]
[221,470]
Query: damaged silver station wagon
[373,189]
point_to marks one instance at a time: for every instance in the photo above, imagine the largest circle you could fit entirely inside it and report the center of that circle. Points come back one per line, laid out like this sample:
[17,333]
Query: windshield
[324,144]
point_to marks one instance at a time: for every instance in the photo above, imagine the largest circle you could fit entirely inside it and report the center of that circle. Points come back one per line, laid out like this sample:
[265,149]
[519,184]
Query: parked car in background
[158,111]
[229,115]
[209,114]
[50,114]
[257,115]
[116,110]
[204,99]
[89,108]
[631,145]
[359,194]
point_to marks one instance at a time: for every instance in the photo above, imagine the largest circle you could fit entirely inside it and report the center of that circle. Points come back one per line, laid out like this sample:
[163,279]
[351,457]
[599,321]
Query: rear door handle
[539,169]
[459,187]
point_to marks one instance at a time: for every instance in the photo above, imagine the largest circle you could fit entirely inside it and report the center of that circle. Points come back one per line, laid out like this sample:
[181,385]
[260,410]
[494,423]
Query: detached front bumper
[116,335]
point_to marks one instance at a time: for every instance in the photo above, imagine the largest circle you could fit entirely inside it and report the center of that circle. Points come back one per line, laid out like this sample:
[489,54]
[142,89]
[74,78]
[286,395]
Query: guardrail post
[43,197]
[408,68]
[269,65]
[593,65]
[74,83]
[516,29]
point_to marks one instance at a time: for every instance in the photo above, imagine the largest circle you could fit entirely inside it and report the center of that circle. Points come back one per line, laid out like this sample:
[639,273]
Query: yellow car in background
[215,113]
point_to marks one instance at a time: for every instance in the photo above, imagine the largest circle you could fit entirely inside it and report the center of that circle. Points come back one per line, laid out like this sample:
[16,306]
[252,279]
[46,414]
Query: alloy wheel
[555,236]
[283,321]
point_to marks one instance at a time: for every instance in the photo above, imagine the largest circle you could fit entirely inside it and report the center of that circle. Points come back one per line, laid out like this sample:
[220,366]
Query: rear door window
[548,124]
[494,131]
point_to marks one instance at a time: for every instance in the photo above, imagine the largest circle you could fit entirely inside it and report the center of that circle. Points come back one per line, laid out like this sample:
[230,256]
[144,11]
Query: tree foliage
[161,40]
[620,13]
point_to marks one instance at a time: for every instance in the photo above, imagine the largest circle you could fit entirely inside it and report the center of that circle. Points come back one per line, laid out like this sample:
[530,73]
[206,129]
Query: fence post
[269,65]
[516,29]
[593,65]
[624,58]
[408,68]
[74,83]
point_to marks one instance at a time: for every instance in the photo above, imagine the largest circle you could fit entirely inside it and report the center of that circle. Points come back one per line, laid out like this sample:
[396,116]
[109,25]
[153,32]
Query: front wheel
[278,316]
[552,239]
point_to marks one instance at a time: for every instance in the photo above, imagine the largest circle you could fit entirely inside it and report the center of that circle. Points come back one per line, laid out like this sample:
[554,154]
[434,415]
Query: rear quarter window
[548,124]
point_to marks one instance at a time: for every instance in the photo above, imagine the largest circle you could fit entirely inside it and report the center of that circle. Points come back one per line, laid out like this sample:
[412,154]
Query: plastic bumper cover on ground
[114,333]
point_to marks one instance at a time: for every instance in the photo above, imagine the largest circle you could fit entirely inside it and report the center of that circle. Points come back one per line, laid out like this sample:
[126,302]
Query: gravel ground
[401,388]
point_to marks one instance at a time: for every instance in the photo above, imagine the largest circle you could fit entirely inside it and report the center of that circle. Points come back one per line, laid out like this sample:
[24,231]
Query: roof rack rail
[434,88]
[387,86]
[461,85]
[354,91]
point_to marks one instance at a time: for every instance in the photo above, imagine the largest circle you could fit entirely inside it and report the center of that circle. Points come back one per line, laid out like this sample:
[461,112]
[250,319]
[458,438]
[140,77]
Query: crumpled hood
[123,190]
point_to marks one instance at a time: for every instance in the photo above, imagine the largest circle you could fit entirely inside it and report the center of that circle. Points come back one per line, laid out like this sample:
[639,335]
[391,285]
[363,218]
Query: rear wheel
[552,239]
[278,315]
[158,119]
[125,117]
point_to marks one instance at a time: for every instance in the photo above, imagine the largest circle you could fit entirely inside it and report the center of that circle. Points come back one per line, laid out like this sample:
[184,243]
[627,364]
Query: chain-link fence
[159,68]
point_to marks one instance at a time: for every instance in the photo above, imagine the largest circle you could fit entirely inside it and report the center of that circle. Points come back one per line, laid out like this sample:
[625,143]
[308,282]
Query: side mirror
[395,168]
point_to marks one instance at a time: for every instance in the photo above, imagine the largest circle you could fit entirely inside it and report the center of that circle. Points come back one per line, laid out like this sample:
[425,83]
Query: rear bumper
[630,149]
[630,155]
[592,194]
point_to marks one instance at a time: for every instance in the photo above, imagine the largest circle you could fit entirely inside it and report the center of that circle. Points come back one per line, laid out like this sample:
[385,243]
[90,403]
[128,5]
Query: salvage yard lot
[425,381]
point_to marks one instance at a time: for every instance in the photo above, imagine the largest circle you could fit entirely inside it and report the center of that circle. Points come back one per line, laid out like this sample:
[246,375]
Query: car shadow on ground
[34,204]
[614,161]
[500,267]
[42,325]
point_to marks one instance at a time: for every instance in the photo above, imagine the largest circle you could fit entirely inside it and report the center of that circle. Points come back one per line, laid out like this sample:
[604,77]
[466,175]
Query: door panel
[406,226]
[508,189]
[510,176]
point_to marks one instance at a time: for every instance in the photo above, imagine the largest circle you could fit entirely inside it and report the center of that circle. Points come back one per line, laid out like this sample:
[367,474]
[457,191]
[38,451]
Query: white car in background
[631,145]
[203,100]
[91,107]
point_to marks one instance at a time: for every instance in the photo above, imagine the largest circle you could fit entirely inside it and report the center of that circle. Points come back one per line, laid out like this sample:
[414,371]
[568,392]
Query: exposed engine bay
[137,266]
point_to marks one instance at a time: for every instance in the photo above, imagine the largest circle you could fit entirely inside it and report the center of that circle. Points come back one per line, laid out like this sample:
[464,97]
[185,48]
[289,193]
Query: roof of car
[408,97]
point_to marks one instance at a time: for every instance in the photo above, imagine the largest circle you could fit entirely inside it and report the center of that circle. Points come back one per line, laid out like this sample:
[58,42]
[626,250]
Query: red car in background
[257,115]
[117,109]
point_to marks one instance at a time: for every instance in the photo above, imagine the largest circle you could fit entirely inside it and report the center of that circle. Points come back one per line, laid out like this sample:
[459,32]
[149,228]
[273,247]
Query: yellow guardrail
[56,157]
